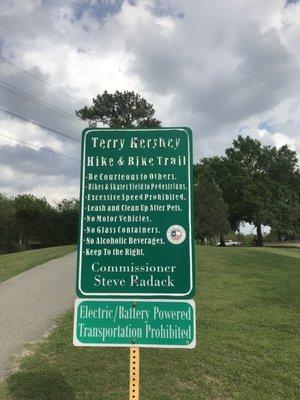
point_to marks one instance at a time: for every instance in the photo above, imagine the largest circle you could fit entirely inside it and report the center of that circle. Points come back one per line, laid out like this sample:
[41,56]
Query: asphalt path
[30,302]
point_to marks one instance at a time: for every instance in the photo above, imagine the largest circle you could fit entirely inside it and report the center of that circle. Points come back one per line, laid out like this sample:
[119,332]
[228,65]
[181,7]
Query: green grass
[15,263]
[247,312]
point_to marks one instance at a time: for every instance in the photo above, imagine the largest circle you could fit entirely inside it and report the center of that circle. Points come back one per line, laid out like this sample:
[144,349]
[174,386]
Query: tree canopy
[260,184]
[211,213]
[27,219]
[120,110]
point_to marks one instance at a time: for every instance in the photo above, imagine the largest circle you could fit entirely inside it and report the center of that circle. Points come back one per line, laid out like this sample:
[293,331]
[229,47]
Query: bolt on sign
[127,323]
[136,221]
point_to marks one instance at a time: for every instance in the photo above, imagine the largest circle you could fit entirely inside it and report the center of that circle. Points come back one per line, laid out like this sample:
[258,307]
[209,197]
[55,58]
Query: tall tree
[283,172]
[248,159]
[259,183]
[225,175]
[210,210]
[67,211]
[120,110]
[35,219]
[8,236]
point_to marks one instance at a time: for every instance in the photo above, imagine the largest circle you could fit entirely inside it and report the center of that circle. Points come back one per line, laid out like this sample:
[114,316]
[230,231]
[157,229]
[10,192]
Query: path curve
[30,302]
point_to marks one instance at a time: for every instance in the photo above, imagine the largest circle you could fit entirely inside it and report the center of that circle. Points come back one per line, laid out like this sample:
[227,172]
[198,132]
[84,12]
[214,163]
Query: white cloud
[18,7]
[277,139]
[219,67]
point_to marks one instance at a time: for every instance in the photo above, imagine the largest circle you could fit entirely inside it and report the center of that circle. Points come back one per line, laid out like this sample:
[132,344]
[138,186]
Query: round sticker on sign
[176,234]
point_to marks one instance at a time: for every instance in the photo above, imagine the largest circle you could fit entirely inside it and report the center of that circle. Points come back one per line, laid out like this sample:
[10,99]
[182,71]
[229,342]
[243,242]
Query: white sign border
[101,294]
[77,343]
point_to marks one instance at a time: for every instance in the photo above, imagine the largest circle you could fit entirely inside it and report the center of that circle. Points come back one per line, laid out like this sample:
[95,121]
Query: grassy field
[247,311]
[15,263]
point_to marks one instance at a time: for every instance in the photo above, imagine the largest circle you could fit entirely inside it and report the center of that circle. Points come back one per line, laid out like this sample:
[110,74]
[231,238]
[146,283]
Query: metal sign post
[134,374]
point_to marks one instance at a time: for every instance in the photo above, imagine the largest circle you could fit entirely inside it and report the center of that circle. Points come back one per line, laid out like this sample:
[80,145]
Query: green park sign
[139,323]
[136,220]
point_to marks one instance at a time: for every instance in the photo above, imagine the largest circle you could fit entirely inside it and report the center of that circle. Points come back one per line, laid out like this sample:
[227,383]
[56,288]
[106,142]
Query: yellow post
[134,374]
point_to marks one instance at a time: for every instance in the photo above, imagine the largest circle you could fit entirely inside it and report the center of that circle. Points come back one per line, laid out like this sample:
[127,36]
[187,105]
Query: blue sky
[292,1]
[99,9]
[266,125]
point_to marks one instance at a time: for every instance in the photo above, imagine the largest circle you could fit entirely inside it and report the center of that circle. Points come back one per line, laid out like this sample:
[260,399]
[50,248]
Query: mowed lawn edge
[247,319]
[15,263]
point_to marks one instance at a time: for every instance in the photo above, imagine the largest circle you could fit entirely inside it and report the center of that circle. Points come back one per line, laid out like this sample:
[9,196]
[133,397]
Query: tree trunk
[239,236]
[259,235]
[279,235]
[222,241]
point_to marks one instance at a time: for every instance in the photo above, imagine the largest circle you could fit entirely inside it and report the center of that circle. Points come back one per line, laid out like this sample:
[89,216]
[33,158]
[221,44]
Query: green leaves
[26,217]
[120,110]
[210,209]
[260,184]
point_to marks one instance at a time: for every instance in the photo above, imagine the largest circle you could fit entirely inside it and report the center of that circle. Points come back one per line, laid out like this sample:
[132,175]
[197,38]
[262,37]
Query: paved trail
[30,302]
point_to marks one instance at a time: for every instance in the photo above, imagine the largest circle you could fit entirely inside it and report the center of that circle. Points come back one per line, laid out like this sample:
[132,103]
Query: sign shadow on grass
[39,386]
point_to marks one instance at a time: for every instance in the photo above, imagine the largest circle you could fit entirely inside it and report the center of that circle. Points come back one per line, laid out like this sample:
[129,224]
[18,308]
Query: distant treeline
[29,222]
